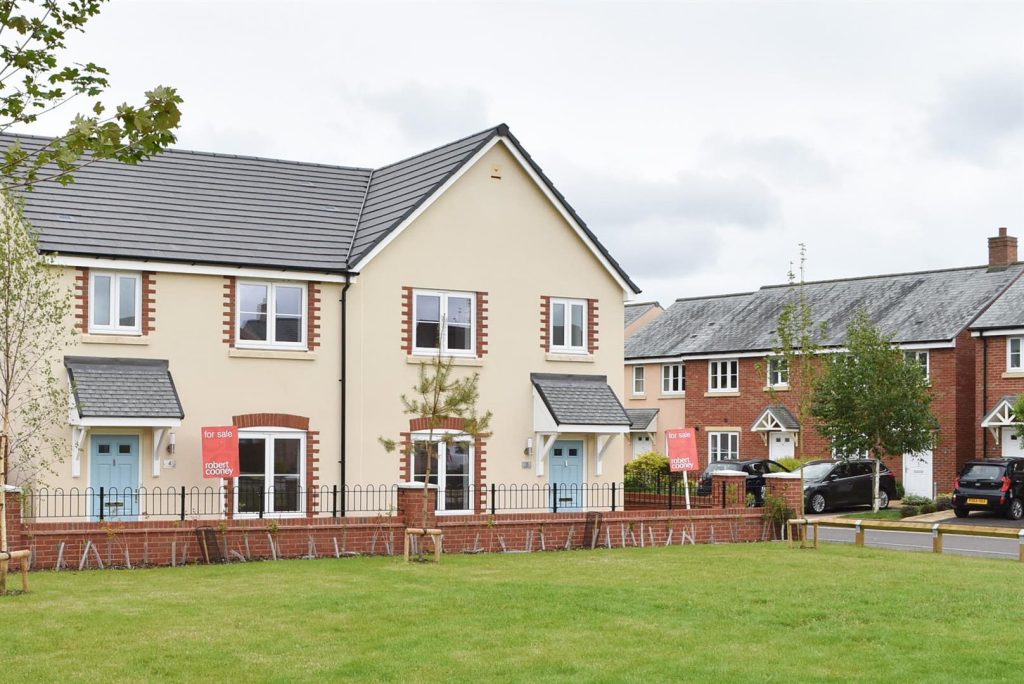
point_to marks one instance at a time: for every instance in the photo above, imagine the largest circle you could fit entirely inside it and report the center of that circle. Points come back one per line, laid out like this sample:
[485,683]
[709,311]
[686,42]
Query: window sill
[571,358]
[637,396]
[777,388]
[90,338]
[673,395]
[456,360]
[1014,374]
[296,355]
[729,393]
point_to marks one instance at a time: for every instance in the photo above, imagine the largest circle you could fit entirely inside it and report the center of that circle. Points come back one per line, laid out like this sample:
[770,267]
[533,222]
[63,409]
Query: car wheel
[1016,509]
[961,512]
[818,503]
[883,500]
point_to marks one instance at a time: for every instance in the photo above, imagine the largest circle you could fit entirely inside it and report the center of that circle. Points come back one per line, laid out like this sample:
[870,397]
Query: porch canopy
[643,420]
[577,404]
[1000,416]
[775,418]
[118,393]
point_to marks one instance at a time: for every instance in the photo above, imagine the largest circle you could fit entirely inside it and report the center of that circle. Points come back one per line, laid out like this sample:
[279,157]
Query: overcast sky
[701,142]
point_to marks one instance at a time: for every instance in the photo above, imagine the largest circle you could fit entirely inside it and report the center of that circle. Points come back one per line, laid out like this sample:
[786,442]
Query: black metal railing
[181,503]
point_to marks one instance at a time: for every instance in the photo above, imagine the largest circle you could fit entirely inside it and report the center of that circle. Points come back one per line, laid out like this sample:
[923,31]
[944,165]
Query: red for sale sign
[220,452]
[682,450]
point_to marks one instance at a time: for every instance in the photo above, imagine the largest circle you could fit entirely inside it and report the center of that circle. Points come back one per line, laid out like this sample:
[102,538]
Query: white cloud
[432,115]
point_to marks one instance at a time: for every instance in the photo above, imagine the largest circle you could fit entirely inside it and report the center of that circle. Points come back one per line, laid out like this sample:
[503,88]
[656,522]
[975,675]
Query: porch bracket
[602,445]
[158,440]
[78,435]
[545,441]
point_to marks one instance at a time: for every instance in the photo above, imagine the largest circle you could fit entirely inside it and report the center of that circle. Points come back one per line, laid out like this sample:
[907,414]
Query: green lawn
[887,514]
[697,613]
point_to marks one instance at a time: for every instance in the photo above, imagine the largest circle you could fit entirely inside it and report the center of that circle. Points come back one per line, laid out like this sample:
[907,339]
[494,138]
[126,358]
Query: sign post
[220,452]
[682,455]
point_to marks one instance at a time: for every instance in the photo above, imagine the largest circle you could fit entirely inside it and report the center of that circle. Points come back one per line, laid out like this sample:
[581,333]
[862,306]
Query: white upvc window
[639,378]
[115,303]
[444,320]
[271,314]
[451,468]
[922,359]
[723,446]
[271,472]
[778,372]
[1014,358]
[569,326]
[724,375]
[673,378]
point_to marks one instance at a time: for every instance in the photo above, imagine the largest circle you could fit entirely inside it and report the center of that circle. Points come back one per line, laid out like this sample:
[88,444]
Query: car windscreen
[816,471]
[721,465]
[982,471]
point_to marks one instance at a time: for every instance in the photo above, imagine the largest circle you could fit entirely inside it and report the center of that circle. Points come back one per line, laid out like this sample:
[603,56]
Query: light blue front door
[567,473]
[114,466]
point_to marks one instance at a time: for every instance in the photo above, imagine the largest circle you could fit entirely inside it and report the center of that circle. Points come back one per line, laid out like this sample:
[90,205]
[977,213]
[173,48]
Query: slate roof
[782,414]
[201,207]
[580,399]
[1005,312]
[928,306]
[640,419]
[635,310]
[123,388]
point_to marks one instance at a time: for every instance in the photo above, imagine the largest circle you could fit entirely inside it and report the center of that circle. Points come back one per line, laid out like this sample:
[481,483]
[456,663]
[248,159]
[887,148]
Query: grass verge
[698,613]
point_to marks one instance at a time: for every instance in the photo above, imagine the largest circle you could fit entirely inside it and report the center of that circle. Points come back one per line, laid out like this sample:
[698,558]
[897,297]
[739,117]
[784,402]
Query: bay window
[115,303]
[271,468]
[445,321]
[271,315]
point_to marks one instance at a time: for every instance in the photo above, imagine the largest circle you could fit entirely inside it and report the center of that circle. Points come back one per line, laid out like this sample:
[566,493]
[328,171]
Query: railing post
[182,502]
[263,494]
[101,503]
[334,500]
[613,497]
[344,500]
[494,498]
[670,483]
[725,494]
[554,497]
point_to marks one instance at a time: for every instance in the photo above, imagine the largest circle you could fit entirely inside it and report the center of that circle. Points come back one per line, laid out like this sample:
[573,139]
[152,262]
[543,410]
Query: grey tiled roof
[640,419]
[783,415]
[200,207]
[929,306]
[635,310]
[1005,312]
[580,399]
[123,388]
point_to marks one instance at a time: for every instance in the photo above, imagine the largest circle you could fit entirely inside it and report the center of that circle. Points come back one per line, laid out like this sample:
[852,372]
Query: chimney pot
[1002,249]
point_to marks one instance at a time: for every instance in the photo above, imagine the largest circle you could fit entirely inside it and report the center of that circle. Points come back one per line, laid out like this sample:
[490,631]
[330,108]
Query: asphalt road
[922,541]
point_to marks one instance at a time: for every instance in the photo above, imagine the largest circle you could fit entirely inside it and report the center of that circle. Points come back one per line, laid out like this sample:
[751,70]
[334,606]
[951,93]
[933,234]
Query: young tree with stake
[872,400]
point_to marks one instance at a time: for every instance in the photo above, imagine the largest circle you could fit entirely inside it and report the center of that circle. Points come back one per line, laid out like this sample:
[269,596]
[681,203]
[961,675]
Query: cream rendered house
[296,302]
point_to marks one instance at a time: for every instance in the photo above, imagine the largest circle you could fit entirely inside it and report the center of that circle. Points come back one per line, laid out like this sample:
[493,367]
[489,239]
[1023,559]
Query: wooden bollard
[25,557]
[858,537]
[936,539]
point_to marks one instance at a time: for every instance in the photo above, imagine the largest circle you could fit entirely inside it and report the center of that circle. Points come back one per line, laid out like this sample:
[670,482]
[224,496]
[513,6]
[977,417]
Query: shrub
[944,502]
[790,463]
[900,491]
[928,508]
[909,511]
[914,500]
[644,470]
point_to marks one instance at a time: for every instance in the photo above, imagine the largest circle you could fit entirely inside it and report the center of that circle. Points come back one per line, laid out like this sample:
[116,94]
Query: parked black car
[995,484]
[835,484]
[755,470]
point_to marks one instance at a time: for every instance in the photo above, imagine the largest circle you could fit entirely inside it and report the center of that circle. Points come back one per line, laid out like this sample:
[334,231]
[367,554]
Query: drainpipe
[344,392]
[984,390]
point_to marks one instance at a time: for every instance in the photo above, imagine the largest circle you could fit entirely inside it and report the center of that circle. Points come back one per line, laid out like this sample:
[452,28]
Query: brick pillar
[729,489]
[14,536]
[411,504]
[787,488]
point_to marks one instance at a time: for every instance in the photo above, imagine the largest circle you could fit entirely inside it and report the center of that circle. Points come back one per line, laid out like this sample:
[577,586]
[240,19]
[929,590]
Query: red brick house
[999,362]
[713,356]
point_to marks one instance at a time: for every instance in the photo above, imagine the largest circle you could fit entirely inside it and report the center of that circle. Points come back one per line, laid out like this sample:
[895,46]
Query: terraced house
[708,362]
[297,301]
